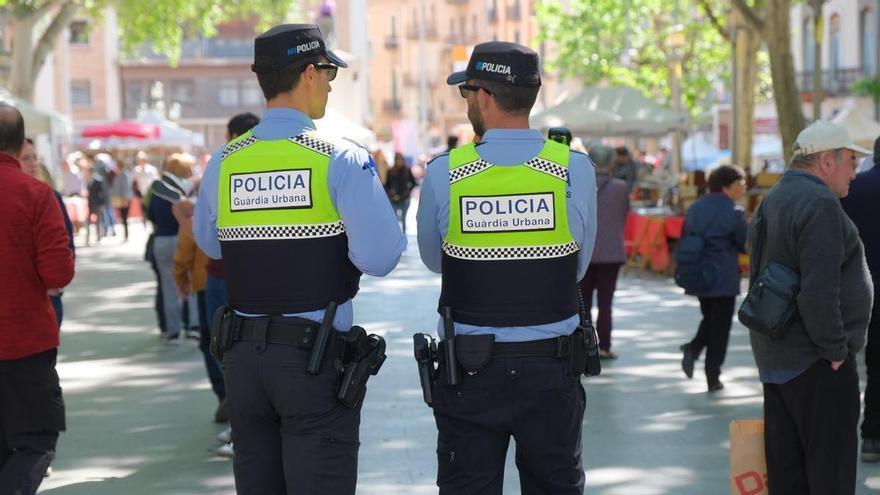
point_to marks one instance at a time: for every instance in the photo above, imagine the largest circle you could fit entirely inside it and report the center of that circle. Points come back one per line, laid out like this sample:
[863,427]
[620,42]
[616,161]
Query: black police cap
[287,44]
[503,62]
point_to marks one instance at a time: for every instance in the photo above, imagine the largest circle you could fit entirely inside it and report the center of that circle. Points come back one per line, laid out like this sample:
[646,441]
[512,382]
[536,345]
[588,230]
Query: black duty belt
[283,330]
[558,347]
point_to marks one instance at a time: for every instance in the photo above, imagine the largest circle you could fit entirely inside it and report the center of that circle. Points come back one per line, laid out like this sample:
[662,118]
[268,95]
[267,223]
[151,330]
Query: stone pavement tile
[139,412]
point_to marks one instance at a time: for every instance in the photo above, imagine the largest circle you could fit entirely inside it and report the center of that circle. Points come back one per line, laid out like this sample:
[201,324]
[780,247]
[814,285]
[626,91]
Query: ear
[484,101]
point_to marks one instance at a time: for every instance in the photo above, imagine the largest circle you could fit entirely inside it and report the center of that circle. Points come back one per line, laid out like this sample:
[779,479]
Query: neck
[291,99]
[507,121]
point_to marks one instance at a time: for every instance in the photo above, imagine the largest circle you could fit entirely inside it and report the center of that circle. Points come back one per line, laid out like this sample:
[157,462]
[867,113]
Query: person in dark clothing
[609,252]
[451,142]
[399,186]
[810,377]
[34,258]
[862,205]
[172,187]
[724,229]
[30,165]
[97,201]
[625,167]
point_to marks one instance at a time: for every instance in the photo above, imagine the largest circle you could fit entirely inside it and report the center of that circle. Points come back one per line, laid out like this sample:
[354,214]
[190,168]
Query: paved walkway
[139,412]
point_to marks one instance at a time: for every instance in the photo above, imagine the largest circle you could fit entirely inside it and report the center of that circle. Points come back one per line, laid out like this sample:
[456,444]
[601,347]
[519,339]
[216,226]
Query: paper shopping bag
[748,468]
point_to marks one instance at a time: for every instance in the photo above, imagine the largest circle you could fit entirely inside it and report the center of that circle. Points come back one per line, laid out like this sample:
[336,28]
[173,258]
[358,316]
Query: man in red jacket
[34,257]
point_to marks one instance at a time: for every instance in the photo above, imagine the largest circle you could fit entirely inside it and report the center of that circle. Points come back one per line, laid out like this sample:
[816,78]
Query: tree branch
[47,40]
[714,19]
[749,14]
[44,9]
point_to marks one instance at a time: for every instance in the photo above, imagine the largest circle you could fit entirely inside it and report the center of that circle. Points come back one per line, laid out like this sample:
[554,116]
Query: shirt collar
[807,175]
[287,116]
[512,134]
[9,161]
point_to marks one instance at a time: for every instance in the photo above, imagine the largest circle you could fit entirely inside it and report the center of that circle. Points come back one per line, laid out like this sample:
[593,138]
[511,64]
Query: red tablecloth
[653,243]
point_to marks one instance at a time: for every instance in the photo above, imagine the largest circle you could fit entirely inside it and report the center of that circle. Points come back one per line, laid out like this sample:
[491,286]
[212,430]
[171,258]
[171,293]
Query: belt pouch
[474,351]
[578,355]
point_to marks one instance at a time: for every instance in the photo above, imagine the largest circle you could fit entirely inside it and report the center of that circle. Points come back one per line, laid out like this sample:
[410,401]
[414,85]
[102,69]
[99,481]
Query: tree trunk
[777,35]
[22,74]
[818,91]
[29,55]
[748,41]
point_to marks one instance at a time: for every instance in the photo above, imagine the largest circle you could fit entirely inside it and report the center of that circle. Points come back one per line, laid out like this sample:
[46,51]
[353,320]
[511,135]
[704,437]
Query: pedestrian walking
[295,241]
[97,200]
[811,384]
[399,185]
[35,257]
[171,188]
[862,205]
[609,253]
[713,236]
[121,194]
[31,165]
[510,225]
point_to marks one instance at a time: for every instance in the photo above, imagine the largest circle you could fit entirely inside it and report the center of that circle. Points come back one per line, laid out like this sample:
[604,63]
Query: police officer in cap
[510,225]
[297,218]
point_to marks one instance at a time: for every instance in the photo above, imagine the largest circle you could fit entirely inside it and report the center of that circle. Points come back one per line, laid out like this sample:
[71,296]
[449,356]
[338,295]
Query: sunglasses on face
[463,89]
[330,68]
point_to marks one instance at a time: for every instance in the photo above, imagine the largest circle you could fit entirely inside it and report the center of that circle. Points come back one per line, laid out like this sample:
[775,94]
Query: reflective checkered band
[548,167]
[238,146]
[280,232]
[510,253]
[311,142]
[467,170]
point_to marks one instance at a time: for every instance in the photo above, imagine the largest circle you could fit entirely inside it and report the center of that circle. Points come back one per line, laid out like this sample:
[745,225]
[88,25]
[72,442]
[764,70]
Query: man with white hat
[811,383]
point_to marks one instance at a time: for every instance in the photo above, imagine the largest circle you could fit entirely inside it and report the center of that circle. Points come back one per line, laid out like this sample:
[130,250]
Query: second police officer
[510,224]
[297,219]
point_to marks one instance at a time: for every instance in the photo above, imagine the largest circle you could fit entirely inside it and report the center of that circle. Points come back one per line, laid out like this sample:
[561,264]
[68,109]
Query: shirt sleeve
[54,259]
[375,241]
[581,203]
[429,236]
[820,247]
[205,223]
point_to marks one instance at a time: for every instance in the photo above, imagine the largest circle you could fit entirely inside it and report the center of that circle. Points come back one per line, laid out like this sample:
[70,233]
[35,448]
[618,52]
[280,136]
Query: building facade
[849,51]
[415,44]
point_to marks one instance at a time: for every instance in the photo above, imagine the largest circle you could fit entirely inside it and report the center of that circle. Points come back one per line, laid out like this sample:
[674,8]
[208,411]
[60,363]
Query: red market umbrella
[122,129]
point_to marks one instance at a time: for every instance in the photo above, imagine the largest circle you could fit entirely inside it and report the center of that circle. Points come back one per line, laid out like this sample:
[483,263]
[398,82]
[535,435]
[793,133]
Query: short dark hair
[512,99]
[451,141]
[241,123]
[11,129]
[281,81]
[622,151]
[724,176]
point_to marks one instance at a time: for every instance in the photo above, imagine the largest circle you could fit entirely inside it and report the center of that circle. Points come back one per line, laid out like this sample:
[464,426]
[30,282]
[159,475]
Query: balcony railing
[834,82]
[392,42]
[392,106]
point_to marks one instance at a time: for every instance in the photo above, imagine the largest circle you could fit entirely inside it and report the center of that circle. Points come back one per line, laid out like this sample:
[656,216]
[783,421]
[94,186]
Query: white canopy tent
[170,134]
[335,124]
[609,112]
[37,120]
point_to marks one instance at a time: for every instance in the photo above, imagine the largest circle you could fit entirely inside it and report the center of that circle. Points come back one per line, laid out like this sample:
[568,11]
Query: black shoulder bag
[771,303]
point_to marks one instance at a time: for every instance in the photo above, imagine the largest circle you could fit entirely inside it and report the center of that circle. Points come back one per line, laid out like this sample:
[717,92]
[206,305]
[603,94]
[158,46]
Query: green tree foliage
[163,24]
[624,42]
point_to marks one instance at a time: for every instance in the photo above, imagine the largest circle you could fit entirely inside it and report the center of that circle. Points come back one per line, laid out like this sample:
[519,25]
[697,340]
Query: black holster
[364,355]
[425,350]
[222,332]
[591,346]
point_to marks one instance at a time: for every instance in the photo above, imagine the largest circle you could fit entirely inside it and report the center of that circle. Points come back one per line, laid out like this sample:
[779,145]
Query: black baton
[453,374]
[316,356]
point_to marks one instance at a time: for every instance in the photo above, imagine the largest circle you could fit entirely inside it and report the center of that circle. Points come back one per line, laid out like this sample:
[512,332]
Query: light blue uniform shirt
[502,147]
[375,241]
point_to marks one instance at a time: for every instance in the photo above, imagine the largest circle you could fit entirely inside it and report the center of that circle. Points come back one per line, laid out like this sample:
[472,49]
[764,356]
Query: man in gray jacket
[811,385]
